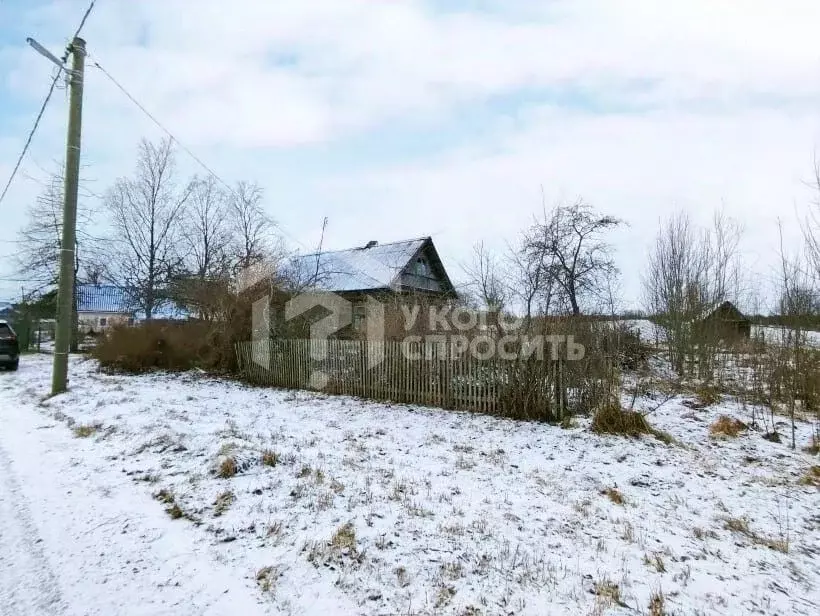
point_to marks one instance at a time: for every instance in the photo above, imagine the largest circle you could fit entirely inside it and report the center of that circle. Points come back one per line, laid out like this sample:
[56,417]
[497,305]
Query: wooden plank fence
[418,373]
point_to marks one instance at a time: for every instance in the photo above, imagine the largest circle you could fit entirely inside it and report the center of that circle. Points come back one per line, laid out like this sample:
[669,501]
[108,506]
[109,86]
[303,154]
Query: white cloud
[696,103]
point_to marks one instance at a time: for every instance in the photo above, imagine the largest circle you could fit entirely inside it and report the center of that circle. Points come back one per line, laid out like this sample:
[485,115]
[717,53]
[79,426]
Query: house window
[421,267]
[359,316]
[103,322]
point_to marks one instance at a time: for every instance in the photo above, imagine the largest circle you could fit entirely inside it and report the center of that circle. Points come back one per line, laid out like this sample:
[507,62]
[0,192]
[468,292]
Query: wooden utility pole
[65,295]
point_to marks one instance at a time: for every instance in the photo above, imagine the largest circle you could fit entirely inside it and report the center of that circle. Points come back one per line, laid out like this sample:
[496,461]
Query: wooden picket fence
[419,373]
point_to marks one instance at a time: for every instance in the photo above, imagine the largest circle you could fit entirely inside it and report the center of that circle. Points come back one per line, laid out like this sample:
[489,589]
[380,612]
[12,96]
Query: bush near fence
[427,373]
[168,346]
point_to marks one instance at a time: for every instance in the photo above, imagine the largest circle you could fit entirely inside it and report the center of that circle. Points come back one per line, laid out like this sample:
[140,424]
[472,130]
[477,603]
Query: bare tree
[40,241]
[38,257]
[206,233]
[252,227]
[531,277]
[146,213]
[723,265]
[690,270]
[485,280]
[811,227]
[578,260]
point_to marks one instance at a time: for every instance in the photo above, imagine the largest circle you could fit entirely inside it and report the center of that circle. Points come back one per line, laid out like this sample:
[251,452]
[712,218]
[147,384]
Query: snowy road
[78,541]
[28,585]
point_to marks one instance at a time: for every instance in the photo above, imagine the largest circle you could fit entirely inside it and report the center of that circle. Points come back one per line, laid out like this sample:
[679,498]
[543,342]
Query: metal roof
[102,298]
[107,298]
[358,269]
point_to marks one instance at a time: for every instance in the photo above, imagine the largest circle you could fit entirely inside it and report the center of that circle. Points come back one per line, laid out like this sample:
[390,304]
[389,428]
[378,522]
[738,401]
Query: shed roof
[725,307]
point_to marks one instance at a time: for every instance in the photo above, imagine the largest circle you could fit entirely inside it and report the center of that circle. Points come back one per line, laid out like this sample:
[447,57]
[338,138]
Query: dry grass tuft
[609,592]
[656,604]
[266,577]
[612,419]
[227,468]
[615,496]
[727,426]
[223,502]
[737,525]
[741,526]
[165,496]
[270,458]
[812,477]
[344,538]
[707,395]
[86,430]
[444,596]
[655,561]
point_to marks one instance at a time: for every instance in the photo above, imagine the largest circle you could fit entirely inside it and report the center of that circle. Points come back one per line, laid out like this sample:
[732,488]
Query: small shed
[726,321]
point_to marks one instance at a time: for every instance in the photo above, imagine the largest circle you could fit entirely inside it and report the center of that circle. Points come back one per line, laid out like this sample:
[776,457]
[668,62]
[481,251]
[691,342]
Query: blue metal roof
[116,300]
[102,298]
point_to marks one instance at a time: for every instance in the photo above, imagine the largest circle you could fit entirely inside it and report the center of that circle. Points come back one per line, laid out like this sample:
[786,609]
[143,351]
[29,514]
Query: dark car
[9,347]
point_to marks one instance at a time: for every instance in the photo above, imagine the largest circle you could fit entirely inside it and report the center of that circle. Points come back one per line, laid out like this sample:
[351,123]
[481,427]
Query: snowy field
[776,335]
[364,508]
[655,334]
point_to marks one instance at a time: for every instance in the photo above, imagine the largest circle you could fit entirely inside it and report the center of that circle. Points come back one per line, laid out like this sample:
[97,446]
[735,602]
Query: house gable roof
[102,298]
[368,268]
[724,310]
[111,299]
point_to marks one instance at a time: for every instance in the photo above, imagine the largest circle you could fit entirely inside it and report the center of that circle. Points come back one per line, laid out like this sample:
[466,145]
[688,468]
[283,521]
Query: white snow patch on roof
[358,269]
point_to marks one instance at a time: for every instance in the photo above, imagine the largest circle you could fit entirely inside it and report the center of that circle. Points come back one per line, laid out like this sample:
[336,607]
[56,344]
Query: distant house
[726,321]
[101,306]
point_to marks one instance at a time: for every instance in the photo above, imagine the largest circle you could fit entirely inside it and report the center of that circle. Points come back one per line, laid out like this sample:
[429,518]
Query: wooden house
[725,321]
[394,273]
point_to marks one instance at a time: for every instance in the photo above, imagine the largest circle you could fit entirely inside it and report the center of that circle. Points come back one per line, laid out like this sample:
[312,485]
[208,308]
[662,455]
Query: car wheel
[15,365]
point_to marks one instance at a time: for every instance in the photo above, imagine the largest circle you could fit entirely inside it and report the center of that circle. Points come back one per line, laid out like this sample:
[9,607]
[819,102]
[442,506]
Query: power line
[39,117]
[174,139]
[160,125]
[188,151]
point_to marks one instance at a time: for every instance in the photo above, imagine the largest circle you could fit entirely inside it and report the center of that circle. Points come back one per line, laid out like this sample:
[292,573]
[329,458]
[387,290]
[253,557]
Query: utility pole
[65,294]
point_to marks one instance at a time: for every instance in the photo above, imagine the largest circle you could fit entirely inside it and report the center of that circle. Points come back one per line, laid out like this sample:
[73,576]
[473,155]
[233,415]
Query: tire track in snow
[28,586]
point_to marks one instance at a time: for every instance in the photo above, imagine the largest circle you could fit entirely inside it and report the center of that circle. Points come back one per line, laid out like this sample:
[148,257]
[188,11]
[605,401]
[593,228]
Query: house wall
[100,321]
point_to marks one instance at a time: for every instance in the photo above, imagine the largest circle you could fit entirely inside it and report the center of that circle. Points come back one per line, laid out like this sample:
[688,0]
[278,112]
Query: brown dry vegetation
[615,496]
[812,477]
[86,430]
[727,426]
[227,468]
[270,458]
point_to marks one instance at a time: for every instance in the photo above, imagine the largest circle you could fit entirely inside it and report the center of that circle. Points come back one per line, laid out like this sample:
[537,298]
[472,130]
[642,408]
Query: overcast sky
[404,118]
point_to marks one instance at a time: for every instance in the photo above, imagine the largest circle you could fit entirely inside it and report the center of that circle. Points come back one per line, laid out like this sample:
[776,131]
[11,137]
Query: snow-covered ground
[655,334]
[777,335]
[384,509]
